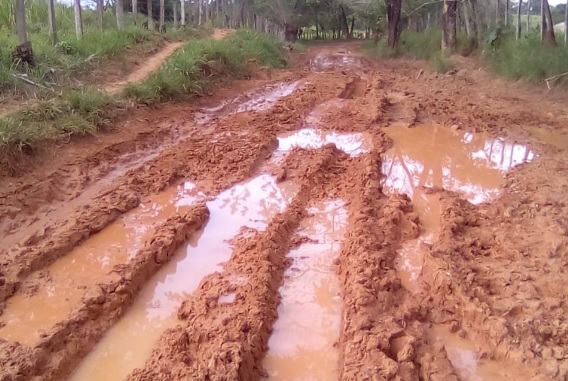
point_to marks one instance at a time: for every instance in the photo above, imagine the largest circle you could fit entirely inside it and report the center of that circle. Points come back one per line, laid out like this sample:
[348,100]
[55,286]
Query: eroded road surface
[344,220]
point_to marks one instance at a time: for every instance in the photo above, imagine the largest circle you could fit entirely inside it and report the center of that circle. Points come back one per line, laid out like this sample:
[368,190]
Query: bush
[527,59]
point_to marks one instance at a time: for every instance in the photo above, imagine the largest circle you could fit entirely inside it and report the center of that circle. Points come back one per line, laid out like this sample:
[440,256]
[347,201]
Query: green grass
[70,57]
[186,72]
[77,113]
[527,59]
[191,68]
[422,46]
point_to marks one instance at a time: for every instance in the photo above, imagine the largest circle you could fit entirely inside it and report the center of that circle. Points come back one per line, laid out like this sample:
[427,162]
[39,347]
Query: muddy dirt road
[342,220]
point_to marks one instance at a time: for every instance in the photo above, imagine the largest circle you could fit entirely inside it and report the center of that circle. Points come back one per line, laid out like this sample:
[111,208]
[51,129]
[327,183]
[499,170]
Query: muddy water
[464,357]
[472,165]
[436,156]
[27,316]
[302,344]
[251,204]
[346,60]
[353,144]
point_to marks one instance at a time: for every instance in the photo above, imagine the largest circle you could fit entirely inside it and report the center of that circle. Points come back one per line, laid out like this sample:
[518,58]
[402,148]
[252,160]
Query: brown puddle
[471,165]
[353,144]
[340,60]
[462,353]
[27,316]
[301,346]
[436,156]
[129,342]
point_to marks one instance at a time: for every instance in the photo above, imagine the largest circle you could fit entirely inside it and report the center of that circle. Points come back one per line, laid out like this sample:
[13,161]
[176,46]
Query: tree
[162,16]
[547,28]
[134,7]
[78,19]
[51,21]
[20,16]
[119,14]
[566,24]
[150,17]
[519,19]
[100,12]
[449,26]
[393,19]
[182,11]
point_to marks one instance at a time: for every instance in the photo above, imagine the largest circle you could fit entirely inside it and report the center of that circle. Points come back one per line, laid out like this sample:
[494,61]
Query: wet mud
[346,219]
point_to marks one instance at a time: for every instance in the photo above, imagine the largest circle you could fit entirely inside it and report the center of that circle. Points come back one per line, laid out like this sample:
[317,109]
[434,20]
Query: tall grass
[527,59]
[191,68]
[78,112]
[187,72]
[425,45]
[71,55]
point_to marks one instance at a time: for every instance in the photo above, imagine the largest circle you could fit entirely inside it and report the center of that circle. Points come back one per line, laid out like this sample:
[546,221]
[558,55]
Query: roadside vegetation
[186,73]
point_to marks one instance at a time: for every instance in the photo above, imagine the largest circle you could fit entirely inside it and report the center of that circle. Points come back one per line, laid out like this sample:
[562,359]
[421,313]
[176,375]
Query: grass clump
[189,70]
[527,59]
[77,113]
[441,64]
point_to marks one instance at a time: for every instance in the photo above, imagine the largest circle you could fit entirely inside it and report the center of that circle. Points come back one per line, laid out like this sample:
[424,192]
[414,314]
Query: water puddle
[129,342]
[353,144]
[462,353]
[26,317]
[301,346]
[324,62]
[554,138]
[436,156]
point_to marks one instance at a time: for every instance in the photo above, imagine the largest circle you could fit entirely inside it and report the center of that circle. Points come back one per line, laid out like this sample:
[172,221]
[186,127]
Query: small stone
[455,127]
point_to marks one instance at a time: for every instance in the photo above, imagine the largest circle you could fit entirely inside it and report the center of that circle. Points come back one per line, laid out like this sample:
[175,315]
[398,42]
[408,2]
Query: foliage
[191,68]
[512,60]
[78,112]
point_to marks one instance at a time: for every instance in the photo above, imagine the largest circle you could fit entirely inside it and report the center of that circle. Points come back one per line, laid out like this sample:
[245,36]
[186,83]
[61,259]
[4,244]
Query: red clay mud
[404,155]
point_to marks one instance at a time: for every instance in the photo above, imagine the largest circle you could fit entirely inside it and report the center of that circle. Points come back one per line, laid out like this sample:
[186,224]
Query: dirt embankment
[495,274]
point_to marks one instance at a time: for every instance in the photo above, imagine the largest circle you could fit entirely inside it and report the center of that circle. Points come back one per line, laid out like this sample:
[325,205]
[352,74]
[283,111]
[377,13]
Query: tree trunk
[566,25]
[468,28]
[519,20]
[497,14]
[51,21]
[119,14]
[20,15]
[549,36]
[200,11]
[507,12]
[78,19]
[175,15]
[100,13]
[393,21]
[343,20]
[528,16]
[150,17]
[134,7]
[207,11]
[352,27]
[162,16]
[182,12]
[449,27]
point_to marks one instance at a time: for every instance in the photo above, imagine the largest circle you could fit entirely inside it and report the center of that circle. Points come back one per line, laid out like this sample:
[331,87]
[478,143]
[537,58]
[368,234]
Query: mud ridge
[382,336]
[195,160]
[66,344]
[468,306]
[217,342]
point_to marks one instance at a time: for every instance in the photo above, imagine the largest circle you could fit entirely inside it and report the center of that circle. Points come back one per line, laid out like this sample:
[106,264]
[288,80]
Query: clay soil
[496,275]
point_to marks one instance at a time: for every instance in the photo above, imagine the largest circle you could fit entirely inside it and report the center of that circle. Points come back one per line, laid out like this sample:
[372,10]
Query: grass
[78,112]
[186,72]
[70,56]
[191,69]
[527,59]
[423,46]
